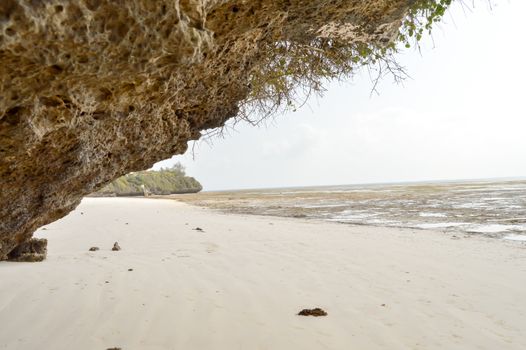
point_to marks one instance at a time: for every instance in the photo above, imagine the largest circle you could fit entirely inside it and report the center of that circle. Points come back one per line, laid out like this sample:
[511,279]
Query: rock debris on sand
[93,249]
[116,246]
[316,312]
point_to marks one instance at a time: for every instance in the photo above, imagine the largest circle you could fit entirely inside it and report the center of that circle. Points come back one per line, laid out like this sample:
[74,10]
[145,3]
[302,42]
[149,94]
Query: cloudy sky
[460,115]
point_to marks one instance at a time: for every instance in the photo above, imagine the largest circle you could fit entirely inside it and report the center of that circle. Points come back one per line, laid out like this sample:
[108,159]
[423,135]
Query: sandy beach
[240,283]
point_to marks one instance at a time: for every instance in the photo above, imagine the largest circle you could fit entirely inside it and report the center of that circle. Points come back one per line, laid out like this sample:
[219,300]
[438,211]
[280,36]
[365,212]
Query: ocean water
[491,208]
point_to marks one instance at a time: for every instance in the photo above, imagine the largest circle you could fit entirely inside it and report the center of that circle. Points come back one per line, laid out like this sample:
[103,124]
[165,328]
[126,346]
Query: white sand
[240,284]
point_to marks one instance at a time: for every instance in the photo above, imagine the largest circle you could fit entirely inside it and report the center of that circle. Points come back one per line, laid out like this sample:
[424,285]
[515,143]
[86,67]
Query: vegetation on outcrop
[420,19]
[161,182]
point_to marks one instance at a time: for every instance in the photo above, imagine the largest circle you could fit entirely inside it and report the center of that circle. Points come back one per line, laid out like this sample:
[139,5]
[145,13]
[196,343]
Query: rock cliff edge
[93,89]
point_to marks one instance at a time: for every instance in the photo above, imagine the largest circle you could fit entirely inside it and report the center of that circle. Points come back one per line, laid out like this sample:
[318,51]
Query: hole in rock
[55,69]
[10,31]
[13,115]
[50,101]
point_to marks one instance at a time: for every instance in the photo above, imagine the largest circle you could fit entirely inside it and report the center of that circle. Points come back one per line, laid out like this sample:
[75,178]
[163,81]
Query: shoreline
[493,209]
[447,230]
[240,283]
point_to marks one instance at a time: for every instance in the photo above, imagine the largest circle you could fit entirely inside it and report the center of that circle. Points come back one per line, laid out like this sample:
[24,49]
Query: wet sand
[240,282]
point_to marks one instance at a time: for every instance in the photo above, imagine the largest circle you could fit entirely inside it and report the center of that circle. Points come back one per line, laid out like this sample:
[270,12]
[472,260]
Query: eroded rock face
[93,89]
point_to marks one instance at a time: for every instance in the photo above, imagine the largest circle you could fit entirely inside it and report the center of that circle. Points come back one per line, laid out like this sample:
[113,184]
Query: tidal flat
[494,208]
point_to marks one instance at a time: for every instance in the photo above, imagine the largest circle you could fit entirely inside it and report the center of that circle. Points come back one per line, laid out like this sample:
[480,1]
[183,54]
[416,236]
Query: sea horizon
[379,183]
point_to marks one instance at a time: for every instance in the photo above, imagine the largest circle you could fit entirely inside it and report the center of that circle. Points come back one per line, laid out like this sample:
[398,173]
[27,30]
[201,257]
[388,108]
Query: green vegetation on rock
[162,182]
[292,70]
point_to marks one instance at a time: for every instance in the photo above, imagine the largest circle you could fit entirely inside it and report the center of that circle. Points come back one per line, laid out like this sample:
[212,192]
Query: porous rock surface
[93,89]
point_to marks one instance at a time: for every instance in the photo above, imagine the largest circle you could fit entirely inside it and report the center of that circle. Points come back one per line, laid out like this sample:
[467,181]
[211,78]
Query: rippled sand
[240,281]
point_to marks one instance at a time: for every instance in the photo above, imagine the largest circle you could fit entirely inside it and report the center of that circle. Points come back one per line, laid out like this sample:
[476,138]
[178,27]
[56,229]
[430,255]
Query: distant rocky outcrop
[145,183]
[91,90]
